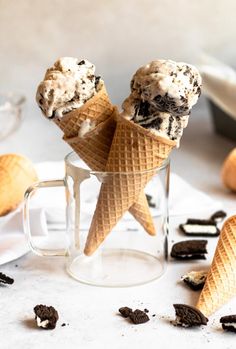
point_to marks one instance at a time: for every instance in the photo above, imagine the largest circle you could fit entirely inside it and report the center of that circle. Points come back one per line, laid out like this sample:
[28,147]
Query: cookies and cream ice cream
[67,86]
[163,93]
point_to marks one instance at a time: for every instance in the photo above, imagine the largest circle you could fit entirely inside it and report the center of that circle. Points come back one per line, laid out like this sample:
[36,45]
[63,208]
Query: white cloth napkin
[219,83]
[48,206]
[13,222]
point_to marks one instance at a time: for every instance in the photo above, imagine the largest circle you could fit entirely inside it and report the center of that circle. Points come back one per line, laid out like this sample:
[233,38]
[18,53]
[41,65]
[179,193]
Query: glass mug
[128,256]
[10,113]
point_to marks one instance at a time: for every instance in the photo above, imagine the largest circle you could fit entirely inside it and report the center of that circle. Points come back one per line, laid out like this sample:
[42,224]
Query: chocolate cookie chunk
[46,317]
[138,317]
[195,279]
[218,216]
[228,323]
[149,200]
[167,103]
[125,311]
[4,279]
[200,227]
[187,316]
[190,249]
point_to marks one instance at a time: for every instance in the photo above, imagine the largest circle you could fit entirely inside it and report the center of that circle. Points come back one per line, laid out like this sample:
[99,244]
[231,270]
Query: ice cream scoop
[163,93]
[67,86]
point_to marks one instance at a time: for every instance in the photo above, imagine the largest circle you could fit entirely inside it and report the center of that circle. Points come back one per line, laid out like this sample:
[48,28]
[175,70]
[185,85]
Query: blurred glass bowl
[10,113]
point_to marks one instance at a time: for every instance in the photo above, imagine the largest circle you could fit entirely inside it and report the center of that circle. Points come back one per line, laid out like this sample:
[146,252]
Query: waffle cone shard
[220,285]
[133,149]
[98,141]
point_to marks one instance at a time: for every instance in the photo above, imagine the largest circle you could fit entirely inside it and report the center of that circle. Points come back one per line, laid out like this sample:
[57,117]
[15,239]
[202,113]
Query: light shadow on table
[30,324]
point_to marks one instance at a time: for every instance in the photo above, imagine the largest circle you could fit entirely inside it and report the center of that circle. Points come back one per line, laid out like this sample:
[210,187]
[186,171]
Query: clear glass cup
[128,256]
[10,113]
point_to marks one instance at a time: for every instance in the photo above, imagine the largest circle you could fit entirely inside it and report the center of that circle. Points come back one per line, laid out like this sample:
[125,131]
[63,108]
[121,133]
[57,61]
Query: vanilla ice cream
[163,93]
[67,86]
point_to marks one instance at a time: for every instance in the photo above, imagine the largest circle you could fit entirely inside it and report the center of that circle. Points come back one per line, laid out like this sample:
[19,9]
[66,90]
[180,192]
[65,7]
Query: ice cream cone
[97,109]
[98,141]
[220,285]
[76,100]
[16,175]
[228,173]
[133,149]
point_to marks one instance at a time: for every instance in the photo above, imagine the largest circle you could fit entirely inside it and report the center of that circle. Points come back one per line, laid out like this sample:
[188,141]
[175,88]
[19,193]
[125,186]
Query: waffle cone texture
[97,109]
[133,149]
[228,173]
[16,175]
[93,148]
[220,285]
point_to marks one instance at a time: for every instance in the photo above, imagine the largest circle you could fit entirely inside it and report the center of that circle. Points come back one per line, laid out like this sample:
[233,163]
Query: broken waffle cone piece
[134,149]
[16,175]
[220,285]
[98,141]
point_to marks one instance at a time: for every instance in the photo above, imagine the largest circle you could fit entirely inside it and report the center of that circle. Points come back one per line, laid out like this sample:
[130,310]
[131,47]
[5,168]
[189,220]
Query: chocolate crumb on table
[228,323]
[4,279]
[218,216]
[195,279]
[150,202]
[138,317]
[187,316]
[46,317]
[189,249]
[125,311]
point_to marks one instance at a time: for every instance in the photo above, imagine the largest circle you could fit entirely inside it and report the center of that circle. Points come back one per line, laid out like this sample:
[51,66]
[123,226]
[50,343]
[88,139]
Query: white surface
[92,312]
[12,246]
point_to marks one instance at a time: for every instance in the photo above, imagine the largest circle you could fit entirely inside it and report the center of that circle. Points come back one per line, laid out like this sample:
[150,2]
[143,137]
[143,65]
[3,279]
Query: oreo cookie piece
[125,311]
[149,200]
[195,279]
[187,316]
[228,323]
[218,216]
[46,317]
[190,249]
[200,227]
[4,279]
[167,103]
[138,317]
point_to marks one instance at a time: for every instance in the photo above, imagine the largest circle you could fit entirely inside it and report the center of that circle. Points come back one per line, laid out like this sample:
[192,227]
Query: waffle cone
[16,175]
[133,149]
[228,173]
[220,285]
[98,141]
[97,109]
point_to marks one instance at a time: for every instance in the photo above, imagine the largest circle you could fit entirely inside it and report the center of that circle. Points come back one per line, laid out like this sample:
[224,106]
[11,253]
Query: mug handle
[26,218]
